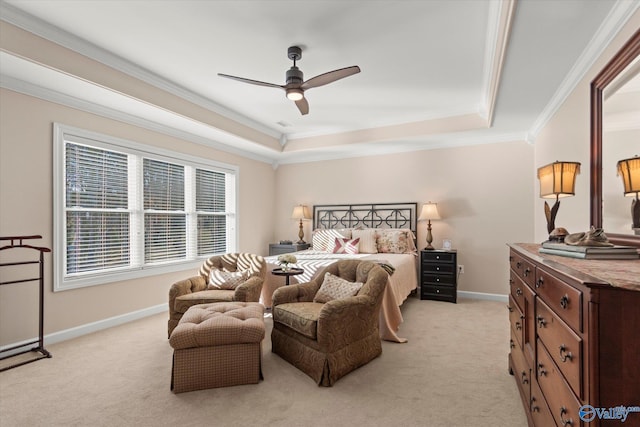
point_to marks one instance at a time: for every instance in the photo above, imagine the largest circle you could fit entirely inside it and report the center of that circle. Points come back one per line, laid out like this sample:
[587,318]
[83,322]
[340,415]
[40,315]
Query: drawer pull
[541,371]
[564,301]
[527,271]
[511,344]
[518,265]
[539,282]
[511,280]
[519,292]
[564,355]
[518,326]
[525,380]
[532,405]
[568,422]
[510,309]
[541,322]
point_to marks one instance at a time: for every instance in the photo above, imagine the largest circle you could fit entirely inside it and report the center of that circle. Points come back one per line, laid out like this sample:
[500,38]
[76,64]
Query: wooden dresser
[575,339]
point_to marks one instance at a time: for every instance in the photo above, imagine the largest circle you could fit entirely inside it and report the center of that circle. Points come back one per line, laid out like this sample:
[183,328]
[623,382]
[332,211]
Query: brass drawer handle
[564,301]
[519,292]
[532,406]
[539,282]
[518,326]
[564,355]
[527,271]
[525,380]
[541,371]
[510,309]
[568,422]
[541,322]
[511,344]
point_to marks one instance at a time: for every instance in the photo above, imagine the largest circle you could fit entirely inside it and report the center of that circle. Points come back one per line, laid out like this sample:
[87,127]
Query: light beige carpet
[452,372]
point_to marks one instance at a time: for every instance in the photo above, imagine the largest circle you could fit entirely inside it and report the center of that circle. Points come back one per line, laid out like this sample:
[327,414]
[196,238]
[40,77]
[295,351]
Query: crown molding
[498,32]
[620,13]
[27,88]
[63,38]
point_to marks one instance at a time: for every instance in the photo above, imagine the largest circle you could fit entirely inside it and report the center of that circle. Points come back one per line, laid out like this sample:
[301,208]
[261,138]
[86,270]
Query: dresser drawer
[563,404]
[538,406]
[521,372]
[517,289]
[523,268]
[561,297]
[516,319]
[563,345]
[438,279]
[438,257]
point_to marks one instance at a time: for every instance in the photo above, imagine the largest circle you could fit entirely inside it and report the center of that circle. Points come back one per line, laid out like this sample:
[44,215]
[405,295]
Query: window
[124,210]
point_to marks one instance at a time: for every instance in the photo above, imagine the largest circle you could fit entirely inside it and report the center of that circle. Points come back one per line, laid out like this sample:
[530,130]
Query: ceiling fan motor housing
[294,75]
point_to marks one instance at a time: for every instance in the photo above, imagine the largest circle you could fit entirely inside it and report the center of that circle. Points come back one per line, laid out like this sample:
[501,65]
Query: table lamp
[557,180]
[629,170]
[429,211]
[301,213]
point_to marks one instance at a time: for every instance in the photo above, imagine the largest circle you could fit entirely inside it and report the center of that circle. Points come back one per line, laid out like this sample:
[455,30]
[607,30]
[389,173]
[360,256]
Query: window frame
[64,133]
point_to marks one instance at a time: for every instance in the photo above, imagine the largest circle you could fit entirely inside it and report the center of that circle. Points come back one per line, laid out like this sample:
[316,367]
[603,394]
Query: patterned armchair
[328,340]
[197,290]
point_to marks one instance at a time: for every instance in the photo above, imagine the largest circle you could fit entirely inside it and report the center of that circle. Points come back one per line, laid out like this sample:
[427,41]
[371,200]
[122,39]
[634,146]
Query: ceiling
[435,73]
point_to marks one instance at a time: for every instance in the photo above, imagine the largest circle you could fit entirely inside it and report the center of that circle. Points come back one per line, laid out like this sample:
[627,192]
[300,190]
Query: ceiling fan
[295,85]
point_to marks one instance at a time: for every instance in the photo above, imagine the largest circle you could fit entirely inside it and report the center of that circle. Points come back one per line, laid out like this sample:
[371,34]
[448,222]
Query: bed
[385,234]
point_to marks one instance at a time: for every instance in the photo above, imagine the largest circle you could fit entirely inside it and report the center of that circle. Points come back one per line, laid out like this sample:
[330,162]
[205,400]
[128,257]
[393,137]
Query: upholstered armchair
[248,271]
[327,340]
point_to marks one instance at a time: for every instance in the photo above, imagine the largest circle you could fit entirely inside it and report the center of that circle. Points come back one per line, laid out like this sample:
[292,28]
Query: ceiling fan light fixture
[295,94]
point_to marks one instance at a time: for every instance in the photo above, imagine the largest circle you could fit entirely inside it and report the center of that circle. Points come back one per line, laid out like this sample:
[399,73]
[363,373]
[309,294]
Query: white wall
[26,200]
[483,193]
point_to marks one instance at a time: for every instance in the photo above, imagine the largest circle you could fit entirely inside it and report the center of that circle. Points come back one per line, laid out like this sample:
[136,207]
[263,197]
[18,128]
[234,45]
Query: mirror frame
[614,67]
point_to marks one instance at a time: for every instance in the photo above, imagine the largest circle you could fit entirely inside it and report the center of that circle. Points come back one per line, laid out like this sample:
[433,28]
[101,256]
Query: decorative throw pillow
[334,287]
[367,238]
[220,279]
[393,241]
[346,246]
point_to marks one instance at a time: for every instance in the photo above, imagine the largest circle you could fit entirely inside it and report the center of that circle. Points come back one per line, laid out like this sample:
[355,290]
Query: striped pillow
[367,238]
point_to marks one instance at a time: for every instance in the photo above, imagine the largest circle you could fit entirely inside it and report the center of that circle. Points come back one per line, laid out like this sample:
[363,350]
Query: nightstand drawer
[438,279]
[428,267]
[447,292]
[439,257]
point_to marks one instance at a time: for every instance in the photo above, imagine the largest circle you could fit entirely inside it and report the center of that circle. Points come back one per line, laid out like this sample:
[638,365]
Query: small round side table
[288,273]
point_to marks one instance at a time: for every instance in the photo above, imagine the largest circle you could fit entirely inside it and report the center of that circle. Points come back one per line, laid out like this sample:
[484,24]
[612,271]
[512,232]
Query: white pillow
[346,246]
[221,279]
[367,238]
[334,288]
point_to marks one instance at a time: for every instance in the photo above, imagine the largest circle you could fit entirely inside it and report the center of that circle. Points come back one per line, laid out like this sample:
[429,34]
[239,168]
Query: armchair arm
[187,286]
[347,320]
[250,290]
[303,292]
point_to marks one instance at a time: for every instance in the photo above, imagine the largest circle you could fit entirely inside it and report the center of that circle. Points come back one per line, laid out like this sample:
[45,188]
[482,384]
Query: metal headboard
[368,215]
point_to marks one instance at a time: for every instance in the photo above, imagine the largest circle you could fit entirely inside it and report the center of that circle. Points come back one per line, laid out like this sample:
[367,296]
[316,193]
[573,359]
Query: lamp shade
[300,212]
[558,179]
[629,170]
[429,212]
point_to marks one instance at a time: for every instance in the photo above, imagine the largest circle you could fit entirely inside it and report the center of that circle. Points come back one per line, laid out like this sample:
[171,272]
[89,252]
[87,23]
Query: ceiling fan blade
[330,77]
[303,106]
[253,82]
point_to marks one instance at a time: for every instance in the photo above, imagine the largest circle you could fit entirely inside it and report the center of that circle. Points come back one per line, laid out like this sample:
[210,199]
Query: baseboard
[484,296]
[88,328]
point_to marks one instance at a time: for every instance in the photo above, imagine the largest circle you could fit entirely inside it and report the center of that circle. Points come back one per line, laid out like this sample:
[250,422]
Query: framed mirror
[611,143]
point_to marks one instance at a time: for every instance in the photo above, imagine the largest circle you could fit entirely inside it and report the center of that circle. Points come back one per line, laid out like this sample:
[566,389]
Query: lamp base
[301,242]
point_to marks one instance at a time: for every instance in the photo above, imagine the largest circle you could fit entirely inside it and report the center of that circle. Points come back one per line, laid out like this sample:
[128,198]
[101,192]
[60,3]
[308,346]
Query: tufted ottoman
[217,345]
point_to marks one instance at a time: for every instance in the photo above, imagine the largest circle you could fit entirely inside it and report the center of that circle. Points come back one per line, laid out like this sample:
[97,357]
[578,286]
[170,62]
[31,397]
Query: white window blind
[97,219]
[165,218]
[124,210]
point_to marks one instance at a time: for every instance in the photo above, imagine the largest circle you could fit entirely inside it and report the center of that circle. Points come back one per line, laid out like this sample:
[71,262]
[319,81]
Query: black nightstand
[438,275]
[277,248]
